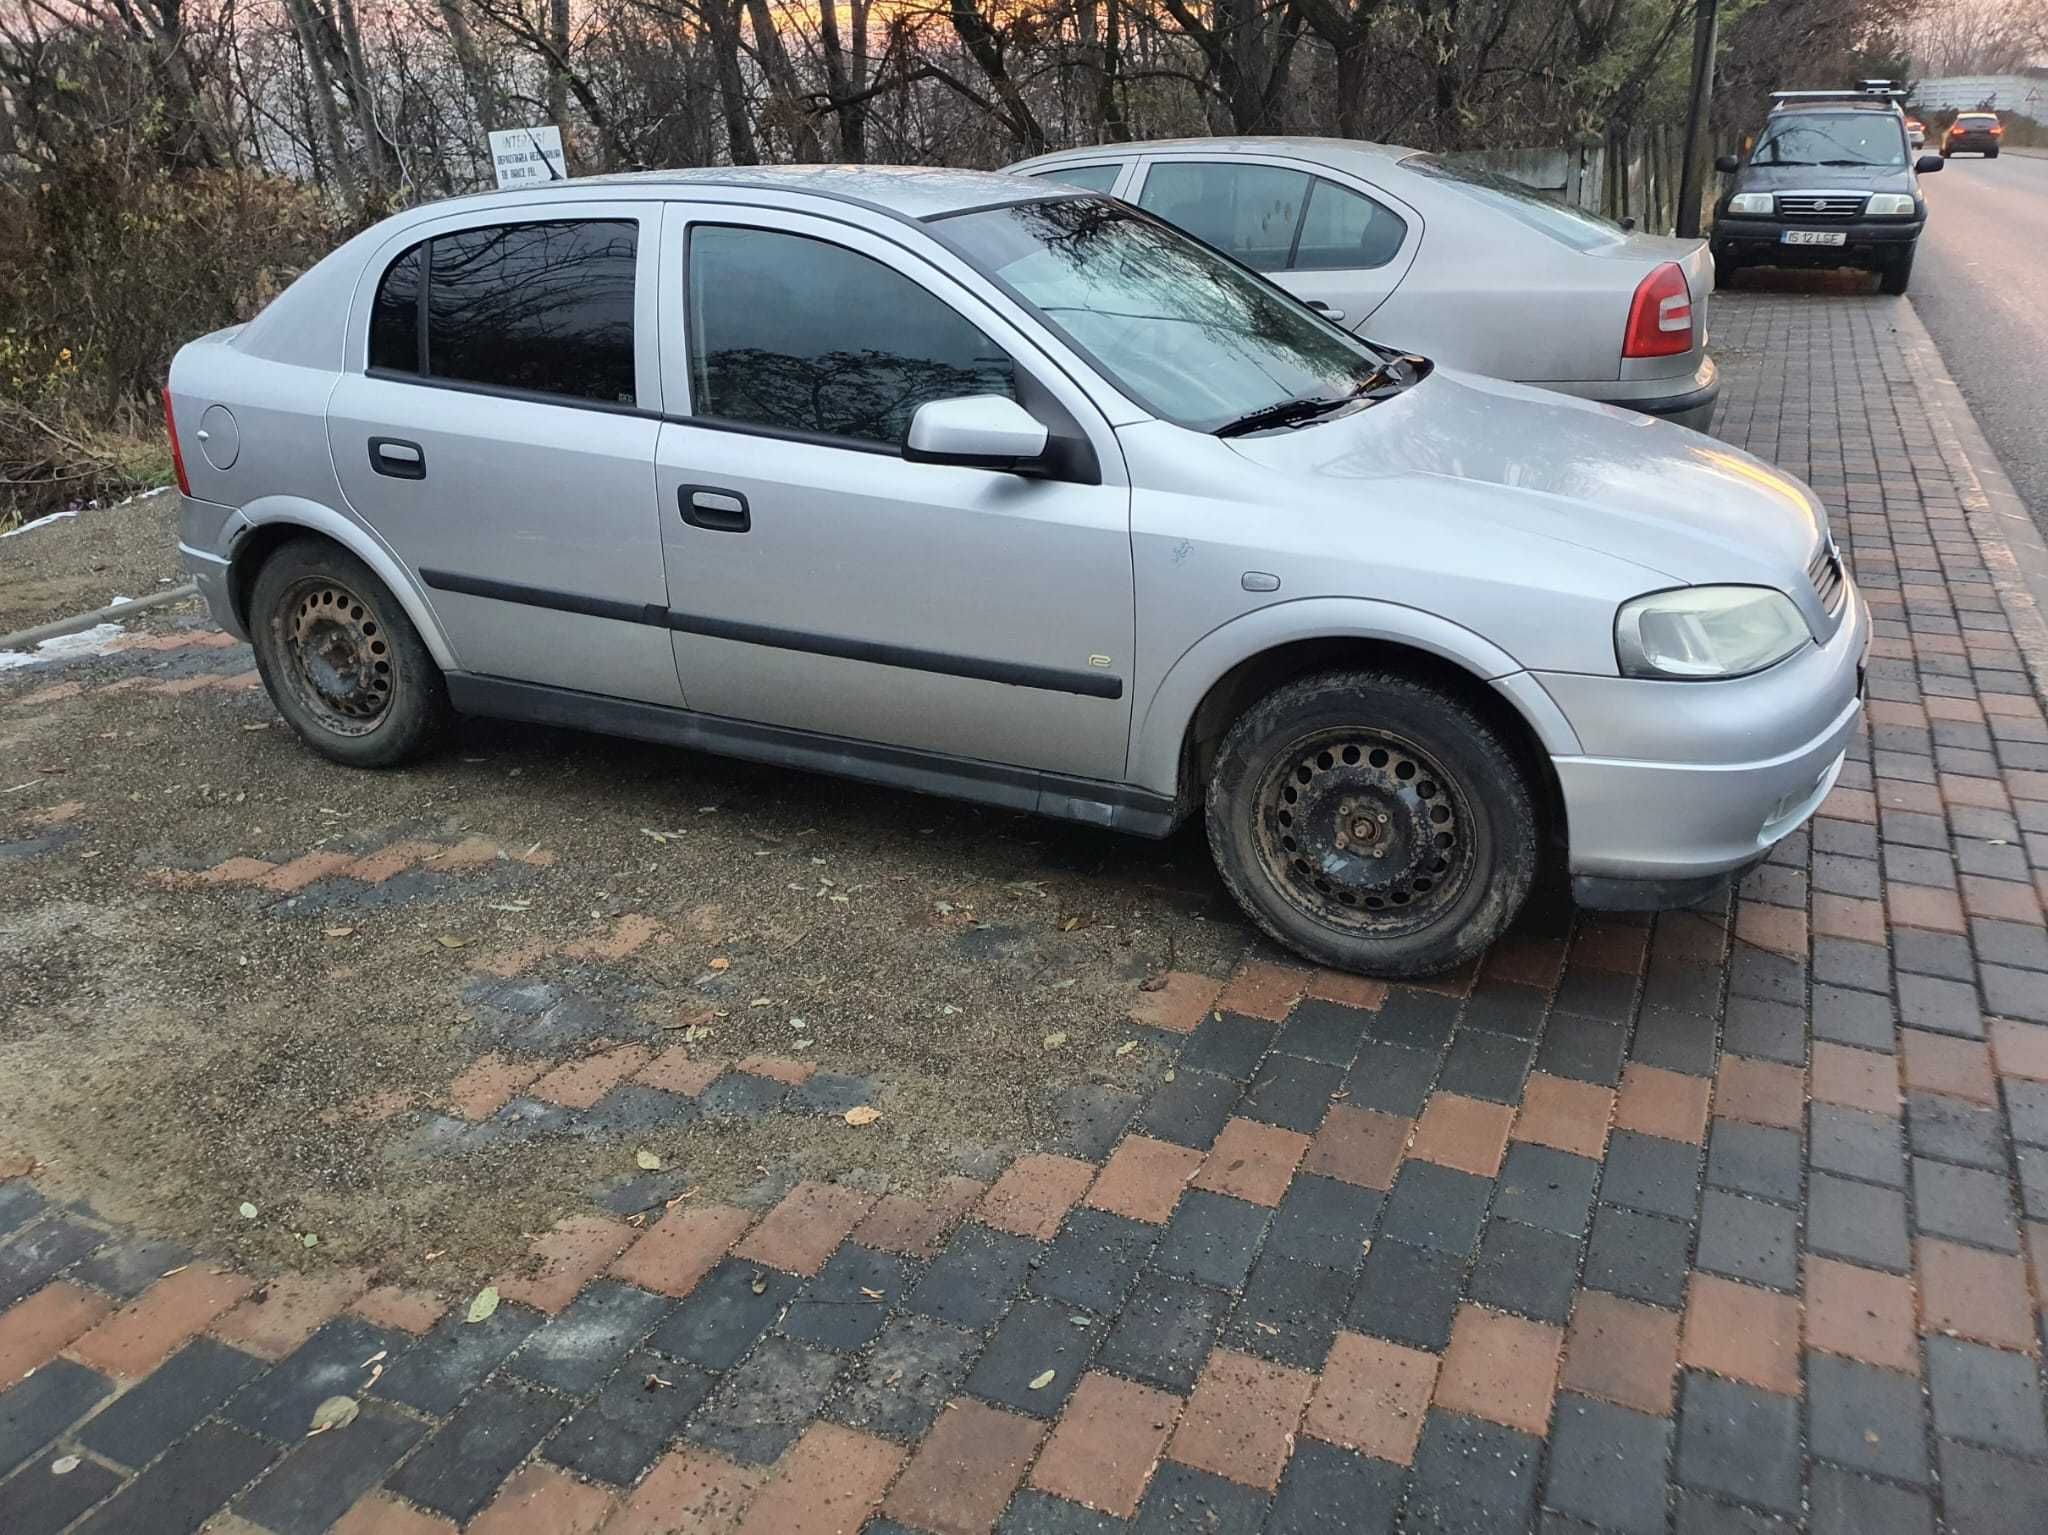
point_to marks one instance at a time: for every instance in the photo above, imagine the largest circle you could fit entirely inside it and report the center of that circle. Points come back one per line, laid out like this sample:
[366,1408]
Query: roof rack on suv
[1874,91]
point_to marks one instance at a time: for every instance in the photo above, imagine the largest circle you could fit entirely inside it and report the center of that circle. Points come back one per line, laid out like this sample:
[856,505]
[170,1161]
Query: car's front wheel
[1897,271]
[1372,822]
[342,662]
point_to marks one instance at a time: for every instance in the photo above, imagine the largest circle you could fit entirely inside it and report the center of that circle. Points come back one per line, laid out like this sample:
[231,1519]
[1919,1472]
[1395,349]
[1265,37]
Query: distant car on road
[1829,182]
[998,489]
[1916,132]
[1412,251]
[1973,133]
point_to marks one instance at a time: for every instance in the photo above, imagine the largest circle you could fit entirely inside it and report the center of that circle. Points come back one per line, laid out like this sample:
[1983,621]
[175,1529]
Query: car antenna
[553,174]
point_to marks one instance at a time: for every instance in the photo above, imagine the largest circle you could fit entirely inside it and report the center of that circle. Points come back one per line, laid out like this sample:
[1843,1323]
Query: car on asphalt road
[995,488]
[1916,132]
[1412,251]
[1830,182]
[1973,133]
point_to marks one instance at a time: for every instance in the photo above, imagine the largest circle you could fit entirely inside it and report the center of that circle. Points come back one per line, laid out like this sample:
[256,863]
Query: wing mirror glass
[1727,165]
[976,431]
[1928,163]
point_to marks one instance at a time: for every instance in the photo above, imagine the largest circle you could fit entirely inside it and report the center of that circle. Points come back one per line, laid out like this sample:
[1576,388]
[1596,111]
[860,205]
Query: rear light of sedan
[177,453]
[1660,315]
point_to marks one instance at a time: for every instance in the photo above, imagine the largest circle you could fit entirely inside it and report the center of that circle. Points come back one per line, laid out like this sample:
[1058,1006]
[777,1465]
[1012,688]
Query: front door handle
[1327,311]
[715,510]
[399,459]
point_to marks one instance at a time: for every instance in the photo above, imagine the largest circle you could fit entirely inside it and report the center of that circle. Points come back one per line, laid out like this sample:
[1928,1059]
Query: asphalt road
[1981,285]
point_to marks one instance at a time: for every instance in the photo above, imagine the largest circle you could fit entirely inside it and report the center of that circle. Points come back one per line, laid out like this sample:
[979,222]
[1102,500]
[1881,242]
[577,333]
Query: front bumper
[1760,754]
[1753,240]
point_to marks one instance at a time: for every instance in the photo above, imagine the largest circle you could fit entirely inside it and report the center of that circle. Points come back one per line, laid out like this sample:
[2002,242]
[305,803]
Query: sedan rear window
[1567,225]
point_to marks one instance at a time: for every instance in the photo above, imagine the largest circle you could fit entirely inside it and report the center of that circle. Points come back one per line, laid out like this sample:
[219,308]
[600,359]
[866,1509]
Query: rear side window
[1346,229]
[801,335]
[1251,211]
[544,308]
[1096,178]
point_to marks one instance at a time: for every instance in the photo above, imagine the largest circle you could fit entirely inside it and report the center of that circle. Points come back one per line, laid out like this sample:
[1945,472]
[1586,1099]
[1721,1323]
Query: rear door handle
[715,510]
[399,459]
[1327,311]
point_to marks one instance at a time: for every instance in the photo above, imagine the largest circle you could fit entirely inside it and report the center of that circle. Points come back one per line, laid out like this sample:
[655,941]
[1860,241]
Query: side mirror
[1928,163]
[976,431]
[1728,165]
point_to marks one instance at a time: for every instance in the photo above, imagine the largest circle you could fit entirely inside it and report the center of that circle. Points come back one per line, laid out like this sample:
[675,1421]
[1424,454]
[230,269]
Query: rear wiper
[1281,414]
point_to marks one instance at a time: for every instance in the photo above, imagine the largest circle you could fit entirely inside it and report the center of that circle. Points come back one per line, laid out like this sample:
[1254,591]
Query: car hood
[1660,496]
[1824,178]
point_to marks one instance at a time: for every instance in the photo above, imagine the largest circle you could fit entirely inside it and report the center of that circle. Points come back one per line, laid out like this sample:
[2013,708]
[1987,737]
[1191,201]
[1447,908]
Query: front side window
[1831,138]
[1251,211]
[800,335]
[1094,178]
[1187,333]
[543,308]
[1344,229]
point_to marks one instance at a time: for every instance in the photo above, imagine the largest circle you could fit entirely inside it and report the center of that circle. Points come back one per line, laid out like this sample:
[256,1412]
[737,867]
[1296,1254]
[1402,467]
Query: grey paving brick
[1182,1499]
[1502,1007]
[1607,1465]
[1408,1294]
[1324,1221]
[1865,1418]
[435,1374]
[900,1385]
[970,1284]
[1949,1130]
[1749,1239]
[1329,1491]
[463,1461]
[1037,1336]
[1754,972]
[1324,1031]
[1916,951]
[1966,1203]
[1587,1049]
[1094,1260]
[1292,1092]
[1470,1475]
[1857,1221]
[165,1405]
[1390,1078]
[1739,1442]
[335,1361]
[1483,1065]
[843,1305]
[725,1314]
[742,1095]
[621,1433]
[1844,962]
[1946,1006]
[764,1404]
[1853,1017]
[1030,1513]
[1845,1504]
[1211,1239]
[2013,993]
[1526,1270]
[1228,1044]
[40,1502]
[1772,1031]
[1858,1144]
[1588,992]
[315,1484]
[1418,1020]
[583,1343]
[1988,1493]
[34,1411]
[1644,1257]
[1190,1109]
[1754,1159]
[1289,1313]
[1543,1187]
[20,1203]
[1650,1174]
[42,1250]
[186,1487]
[2026,1106]
[1438,1207]
[1986,1395]
[1165,1331]
[1678,1039]
[128,1265]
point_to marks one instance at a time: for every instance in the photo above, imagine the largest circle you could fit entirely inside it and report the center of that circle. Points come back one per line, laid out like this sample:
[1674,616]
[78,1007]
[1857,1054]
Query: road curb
[21,639]
[2005,532]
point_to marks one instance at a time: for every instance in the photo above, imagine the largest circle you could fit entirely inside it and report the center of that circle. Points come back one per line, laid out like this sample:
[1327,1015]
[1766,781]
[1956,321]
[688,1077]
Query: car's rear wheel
[1991,154]
[342,662]
[1897,271]
[1372,822]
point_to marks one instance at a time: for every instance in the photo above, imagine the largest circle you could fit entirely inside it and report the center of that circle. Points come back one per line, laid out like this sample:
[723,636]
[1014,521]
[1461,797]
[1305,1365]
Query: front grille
[1835,207]
[1826,575]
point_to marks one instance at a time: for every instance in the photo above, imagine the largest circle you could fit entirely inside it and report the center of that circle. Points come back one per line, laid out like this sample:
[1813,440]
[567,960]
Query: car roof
[1837,104]
[904,191]
[1358,154]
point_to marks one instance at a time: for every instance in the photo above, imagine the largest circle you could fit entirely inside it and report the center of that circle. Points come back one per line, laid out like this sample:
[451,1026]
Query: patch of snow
[40,522]
[87,642]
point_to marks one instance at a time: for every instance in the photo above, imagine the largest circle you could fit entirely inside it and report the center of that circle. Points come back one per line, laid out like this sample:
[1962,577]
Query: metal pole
[1705,23]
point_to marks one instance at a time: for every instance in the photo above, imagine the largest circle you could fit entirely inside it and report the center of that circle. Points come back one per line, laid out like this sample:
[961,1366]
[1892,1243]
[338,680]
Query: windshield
[1831,138]
[1575,227]
[1182,329]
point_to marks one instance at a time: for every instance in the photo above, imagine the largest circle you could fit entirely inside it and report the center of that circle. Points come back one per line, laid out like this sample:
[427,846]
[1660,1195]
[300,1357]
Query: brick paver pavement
[1718,1221]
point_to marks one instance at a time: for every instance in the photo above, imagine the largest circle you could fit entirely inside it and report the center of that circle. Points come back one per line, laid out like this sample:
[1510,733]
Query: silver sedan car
[989,487]
[1463,265]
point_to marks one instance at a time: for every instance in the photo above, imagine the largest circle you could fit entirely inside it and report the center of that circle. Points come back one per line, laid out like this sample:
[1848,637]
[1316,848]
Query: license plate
[1813,237]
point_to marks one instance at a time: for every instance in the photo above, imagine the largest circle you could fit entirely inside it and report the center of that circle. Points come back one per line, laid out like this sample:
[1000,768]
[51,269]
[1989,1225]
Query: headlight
[1751,202]
[1890,205]
[1706,631]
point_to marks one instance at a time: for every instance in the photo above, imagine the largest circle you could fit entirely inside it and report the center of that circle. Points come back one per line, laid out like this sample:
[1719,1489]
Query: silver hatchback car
[994,488]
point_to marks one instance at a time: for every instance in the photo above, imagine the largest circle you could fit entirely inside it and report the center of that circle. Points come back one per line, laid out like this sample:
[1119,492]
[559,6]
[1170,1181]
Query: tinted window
[395,317]
[1096,178]
[1249,210]
[1832,138]
[800,334]
[546,307]
[1566,224]
[1345,229]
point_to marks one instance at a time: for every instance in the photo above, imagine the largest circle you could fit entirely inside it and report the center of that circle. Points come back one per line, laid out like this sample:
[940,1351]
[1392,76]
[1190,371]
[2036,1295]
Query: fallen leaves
[1056,1040]
[1043,1379]
[648,1162]
[248,1212]
[484,1307]
[450,941]
[335,1412]
[862,1114]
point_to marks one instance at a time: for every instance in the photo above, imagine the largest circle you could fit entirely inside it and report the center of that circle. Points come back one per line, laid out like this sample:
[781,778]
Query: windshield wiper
[1282,414]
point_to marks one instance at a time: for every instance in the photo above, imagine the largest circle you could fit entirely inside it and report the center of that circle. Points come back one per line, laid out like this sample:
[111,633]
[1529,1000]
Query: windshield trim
[1107,375]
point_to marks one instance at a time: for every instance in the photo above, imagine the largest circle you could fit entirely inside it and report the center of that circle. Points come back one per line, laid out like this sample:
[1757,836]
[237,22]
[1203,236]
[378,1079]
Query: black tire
[1432,788]
[1896,271]
[341,661]
[1991,154]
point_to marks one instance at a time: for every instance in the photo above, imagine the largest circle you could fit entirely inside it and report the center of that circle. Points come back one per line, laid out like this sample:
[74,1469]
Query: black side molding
[1114,807]
[1051,679]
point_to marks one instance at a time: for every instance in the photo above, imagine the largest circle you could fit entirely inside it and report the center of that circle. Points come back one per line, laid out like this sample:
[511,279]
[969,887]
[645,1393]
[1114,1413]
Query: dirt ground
[174,1043]
[84,562]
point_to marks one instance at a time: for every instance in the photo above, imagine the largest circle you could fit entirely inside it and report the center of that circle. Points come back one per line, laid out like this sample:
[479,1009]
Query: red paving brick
[800,1233]
[307,869]
[827,1483]
[1240,1420]
[540,1498]
[1742,1332]
[1359,1146]
[1143,1179]
[488,1083]
[689,1492]
[579,1084]
[390,861]
[779,1069]
[675,1070]
[413,1311]
[1469,1134]
[1924,906]
[1525,962]
[672,1255]
[289,1310]
[1372,1397]
[35,1330]
[2020,1049]
[626,937]
[1845,916]
[1860,1313]
[1760,1092]
[918,1228]
[1966,1292]
[1263,990]
[962,1476]
[1623,1351]
[1663,1103]
[1179,1005]
[2003,900]
[1252,1161]
[1348,990]
[379,1514]
[1564,1114]
[1937,1063]
[1034,1195]
[575,1252]
[1856,1079]
[1614,946]
[1106,1443]
[1781,929]
[142,1335]
[1501,1368]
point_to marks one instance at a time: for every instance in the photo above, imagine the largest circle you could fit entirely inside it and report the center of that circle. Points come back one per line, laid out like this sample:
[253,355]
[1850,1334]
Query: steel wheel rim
[338,657]
[1363,831]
